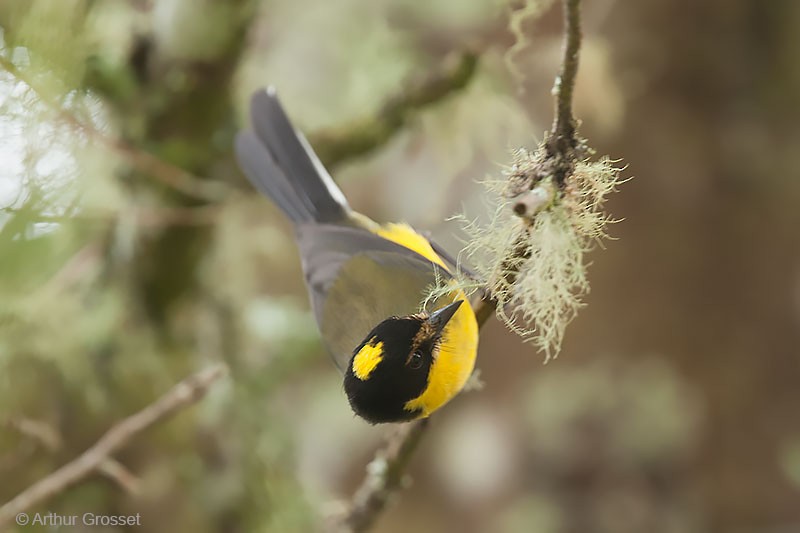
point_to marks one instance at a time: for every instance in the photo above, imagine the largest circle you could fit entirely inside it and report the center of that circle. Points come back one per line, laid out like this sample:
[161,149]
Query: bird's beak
[440,318]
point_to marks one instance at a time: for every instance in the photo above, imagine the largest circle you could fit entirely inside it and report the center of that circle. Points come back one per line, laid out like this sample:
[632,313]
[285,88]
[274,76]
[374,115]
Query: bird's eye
[415,361]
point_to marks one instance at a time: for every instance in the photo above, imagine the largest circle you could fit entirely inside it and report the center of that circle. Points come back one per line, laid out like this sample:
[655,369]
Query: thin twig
[185,393]
[116,471]
[50,438]
[375,491]
[562,140]
[38,431]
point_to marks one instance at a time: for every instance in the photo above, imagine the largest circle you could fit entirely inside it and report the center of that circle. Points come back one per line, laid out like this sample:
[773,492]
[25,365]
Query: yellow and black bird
[367,282]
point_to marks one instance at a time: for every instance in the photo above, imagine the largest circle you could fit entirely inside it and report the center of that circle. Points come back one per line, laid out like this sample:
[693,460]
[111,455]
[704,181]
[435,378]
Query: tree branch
[385,475]
[564,123]
[562,140]
[336,145]
[185,393]
[380,483]
[50,439]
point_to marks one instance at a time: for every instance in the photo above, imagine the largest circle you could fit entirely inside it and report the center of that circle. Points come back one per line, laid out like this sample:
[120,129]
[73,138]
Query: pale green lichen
[534,265]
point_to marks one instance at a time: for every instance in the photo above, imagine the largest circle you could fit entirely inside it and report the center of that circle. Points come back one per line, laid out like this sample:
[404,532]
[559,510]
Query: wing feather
[356,279]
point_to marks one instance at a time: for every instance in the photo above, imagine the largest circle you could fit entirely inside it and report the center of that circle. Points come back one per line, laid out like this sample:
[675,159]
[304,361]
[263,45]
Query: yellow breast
[453,363]
[457,351]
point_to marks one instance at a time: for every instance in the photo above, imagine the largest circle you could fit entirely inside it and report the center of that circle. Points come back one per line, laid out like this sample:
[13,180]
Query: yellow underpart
[404,235]
[367,359]
[454,360]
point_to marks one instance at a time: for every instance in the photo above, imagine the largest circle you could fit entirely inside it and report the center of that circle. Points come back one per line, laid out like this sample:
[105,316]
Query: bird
[403,355]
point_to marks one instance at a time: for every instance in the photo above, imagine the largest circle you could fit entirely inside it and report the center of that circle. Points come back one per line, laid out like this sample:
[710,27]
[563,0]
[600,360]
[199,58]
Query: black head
[391,366]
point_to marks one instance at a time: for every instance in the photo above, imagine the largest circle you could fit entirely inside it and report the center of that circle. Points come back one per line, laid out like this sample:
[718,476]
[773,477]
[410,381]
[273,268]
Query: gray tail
[279,162]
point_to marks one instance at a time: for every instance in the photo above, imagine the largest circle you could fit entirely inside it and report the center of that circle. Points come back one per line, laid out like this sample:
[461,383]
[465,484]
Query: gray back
[356,279]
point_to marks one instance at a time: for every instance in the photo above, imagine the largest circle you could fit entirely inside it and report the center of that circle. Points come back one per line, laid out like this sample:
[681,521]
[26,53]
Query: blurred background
[133,253]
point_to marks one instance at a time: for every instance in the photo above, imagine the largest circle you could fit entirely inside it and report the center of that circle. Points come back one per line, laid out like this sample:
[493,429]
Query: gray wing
[356,279]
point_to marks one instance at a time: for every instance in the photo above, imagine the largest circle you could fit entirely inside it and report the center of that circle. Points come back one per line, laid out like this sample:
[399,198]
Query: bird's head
[392,365]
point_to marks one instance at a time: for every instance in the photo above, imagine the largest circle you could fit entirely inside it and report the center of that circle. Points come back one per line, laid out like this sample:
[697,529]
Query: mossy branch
[371,498]
[359,137]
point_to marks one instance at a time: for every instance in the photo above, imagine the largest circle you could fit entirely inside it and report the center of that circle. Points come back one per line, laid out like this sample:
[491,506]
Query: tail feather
[280,164]
[267,177]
